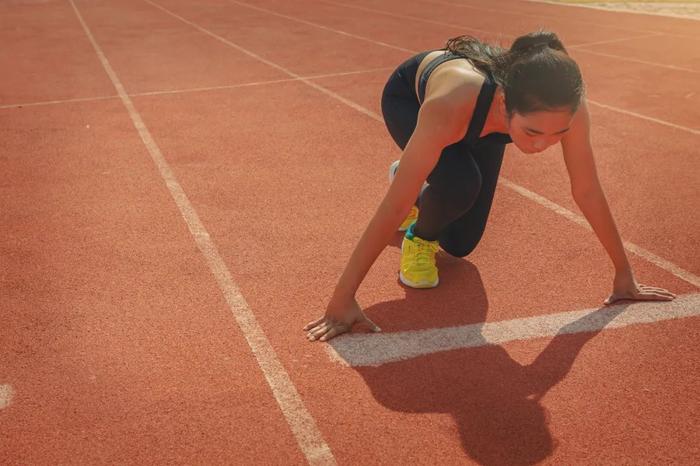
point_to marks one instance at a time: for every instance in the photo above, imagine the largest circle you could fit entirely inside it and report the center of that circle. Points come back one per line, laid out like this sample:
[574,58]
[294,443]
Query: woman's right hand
[340,317]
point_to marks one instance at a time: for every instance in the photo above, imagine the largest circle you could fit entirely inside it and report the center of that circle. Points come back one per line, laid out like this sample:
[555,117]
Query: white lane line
[56,102]
[364,349]
[612,41]
[416,18]
[300,421]
[643,62]
[260,83]
[490,33]
[629,246]
[609,107]
[320,26]
[609,7]
[199,89]
[645,117]
[664,264]
[319,88]
[6,395]
[504,10]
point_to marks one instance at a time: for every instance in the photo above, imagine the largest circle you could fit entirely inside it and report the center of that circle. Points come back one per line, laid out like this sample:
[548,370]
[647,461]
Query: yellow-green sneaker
[413,214]
[418,268]
[410,219]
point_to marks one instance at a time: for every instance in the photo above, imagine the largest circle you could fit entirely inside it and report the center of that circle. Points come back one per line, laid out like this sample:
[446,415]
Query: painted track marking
[629,246]
[6,395]
[384,44]
[466,28]
[56,102]
[195,89]
[300,421]
[656,260]
[613,41]
[609,7]
[364,349]
[541,16]
[320,26]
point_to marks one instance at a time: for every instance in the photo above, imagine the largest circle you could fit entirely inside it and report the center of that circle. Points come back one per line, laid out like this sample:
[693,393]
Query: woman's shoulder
[455,83]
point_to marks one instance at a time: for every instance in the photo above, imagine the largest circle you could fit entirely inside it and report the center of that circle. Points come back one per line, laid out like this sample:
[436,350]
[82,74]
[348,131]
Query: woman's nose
[540,144]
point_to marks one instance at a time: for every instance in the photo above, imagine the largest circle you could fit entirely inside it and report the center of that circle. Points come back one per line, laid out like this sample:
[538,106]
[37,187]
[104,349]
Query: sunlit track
[629,246]
[6,395]
[320,26]
[635,60]
[161,261]
[695,131]
[610,7]
[300,421]
[363,349]
[195,89]
[612,41]
[539,16]
[58,102]
[579,47]
[648,256]
[384,44]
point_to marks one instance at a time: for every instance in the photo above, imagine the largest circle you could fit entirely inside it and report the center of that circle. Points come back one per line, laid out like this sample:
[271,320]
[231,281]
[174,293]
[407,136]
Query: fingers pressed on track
[314,323]
[320,330]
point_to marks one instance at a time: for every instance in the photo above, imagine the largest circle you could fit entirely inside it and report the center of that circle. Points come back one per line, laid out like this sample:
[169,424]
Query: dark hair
[536,73]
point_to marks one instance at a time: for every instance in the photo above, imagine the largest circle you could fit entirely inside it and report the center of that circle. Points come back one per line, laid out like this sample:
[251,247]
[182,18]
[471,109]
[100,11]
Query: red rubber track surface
[117,343]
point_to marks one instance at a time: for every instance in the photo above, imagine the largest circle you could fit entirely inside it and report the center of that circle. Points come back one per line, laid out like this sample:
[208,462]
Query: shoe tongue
[409,233]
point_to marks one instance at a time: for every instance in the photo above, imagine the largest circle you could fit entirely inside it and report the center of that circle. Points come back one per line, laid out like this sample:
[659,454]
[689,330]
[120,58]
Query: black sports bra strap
[425,74]
[481,110]
[483,101]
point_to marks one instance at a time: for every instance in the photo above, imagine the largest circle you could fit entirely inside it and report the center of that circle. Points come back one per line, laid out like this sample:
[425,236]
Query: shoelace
[424,253]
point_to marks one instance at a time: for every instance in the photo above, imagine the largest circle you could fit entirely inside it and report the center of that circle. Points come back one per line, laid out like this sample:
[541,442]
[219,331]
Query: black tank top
[483,102]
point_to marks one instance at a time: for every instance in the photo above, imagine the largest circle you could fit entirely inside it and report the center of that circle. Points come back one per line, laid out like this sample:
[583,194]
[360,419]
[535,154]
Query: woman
[452,112]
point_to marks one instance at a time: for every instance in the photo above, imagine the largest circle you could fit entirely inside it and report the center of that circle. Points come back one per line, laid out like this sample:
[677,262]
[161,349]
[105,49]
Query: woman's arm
[589,197]
[439,125]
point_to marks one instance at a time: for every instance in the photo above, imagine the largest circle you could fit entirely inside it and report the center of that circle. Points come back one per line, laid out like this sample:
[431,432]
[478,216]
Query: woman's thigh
[399,103]
[462,235]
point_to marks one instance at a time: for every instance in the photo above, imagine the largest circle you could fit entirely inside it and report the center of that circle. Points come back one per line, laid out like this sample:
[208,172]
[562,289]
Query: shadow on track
[494,400]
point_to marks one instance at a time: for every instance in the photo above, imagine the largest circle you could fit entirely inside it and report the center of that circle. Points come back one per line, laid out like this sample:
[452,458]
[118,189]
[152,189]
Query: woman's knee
[460,189]
[458,248]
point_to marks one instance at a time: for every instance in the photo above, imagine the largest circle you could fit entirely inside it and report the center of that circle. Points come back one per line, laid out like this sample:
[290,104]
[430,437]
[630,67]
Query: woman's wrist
[624,275]
[342,293]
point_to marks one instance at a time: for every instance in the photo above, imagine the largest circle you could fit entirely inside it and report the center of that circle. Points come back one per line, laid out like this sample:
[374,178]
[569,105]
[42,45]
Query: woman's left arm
[589,197]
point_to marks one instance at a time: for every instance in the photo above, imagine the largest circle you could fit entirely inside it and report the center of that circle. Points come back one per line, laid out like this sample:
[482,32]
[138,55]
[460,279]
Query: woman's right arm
[440,124]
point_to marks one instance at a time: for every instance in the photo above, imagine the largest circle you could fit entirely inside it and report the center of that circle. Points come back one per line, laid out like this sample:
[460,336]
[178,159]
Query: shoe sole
[392,170]
[418,285]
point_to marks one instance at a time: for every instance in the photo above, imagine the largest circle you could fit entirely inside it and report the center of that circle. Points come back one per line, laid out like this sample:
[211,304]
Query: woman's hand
[626,287]
[340,317]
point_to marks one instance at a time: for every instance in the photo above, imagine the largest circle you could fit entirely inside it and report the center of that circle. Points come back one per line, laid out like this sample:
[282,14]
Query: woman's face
[537,131]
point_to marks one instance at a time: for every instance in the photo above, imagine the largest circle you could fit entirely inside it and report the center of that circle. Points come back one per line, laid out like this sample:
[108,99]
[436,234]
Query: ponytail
[536,73]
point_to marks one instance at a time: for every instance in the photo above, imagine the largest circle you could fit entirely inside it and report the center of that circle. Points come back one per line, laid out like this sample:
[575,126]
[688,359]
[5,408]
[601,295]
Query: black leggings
[456,204]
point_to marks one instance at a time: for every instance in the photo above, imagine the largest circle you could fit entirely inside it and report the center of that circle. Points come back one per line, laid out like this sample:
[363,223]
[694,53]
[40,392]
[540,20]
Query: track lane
[116,340]
[46,57]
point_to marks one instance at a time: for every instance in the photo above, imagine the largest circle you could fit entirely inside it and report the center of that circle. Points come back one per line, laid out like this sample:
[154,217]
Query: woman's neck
[496,119]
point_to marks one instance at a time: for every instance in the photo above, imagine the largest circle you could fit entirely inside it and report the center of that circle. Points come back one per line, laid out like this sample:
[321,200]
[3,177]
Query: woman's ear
[501,105]
[501,101]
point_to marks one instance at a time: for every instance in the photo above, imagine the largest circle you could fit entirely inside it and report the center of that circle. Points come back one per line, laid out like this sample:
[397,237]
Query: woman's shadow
[494,400]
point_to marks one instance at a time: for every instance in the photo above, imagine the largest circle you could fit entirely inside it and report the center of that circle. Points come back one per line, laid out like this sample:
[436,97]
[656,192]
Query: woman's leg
[399,106]
[453,188]
[460,237]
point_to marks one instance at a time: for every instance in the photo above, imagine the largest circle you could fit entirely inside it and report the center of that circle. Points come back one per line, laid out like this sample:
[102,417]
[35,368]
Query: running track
[184,181]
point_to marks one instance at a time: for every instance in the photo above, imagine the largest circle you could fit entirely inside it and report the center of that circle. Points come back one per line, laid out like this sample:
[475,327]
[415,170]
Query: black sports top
[483,102]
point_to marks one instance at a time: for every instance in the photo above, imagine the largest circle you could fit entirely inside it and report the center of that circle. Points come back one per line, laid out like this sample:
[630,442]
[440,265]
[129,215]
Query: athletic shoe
[413,214]
[410,219]
[418,268]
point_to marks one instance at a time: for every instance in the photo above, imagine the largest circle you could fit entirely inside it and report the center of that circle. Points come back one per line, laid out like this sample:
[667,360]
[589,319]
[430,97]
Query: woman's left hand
[626,287]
